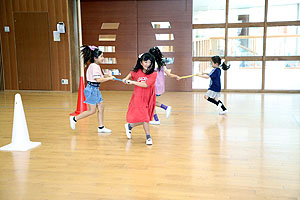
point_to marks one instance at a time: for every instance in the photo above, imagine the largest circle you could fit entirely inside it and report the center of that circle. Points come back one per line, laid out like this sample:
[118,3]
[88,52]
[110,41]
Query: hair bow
[92,48]
[141,55]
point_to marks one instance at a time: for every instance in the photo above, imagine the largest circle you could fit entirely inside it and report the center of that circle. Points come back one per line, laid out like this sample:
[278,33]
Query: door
[33,51]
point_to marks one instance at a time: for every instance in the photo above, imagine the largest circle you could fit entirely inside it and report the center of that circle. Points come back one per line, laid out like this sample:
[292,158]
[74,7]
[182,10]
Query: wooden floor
[252,153]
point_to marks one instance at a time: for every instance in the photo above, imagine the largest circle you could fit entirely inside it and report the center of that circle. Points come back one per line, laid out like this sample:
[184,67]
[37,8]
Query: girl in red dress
[142,103]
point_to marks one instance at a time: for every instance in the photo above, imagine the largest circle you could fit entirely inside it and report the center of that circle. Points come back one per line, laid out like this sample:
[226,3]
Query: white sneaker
[128,132]
[72,123]
[149,141]
[168,111]
[218,106]
[153,122]
[104,130]
[223,112]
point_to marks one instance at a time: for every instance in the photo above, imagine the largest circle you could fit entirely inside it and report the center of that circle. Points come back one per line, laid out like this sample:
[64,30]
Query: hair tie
[140,56]
[223,60]
[92,48]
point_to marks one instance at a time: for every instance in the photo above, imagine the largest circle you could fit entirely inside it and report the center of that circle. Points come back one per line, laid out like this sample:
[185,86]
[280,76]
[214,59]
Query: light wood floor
[252,153]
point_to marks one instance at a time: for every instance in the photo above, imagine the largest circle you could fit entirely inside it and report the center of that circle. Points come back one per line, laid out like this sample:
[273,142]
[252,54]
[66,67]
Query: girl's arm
[203,76]
[127,77]
[104,79]
[140,84]
[169,74]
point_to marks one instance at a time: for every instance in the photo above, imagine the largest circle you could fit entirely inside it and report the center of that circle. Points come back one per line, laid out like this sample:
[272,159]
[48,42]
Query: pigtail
[158,57]
[86,53]
[89,53]
[224,66]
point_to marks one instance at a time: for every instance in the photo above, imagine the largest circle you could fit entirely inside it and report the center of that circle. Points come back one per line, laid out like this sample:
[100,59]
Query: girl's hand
[111,78]
[178,78]
[127,82]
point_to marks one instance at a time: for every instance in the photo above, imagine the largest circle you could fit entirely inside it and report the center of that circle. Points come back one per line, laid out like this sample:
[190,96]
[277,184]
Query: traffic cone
[81,107]
[20,138]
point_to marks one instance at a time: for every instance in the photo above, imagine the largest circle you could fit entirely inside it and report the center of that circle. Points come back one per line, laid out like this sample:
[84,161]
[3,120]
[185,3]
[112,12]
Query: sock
[101,127]
[223,107]
[163,106]
[212,100]
[148,135]
[156,117]
[129,126]
[74,119]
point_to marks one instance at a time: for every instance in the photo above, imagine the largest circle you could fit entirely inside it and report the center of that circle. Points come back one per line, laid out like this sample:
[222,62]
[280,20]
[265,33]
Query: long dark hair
[145,57]
[89,53]
[155,51]
[217,59]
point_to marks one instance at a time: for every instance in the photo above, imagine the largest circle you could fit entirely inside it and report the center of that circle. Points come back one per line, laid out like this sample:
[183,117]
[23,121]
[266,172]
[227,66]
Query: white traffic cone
[20,138]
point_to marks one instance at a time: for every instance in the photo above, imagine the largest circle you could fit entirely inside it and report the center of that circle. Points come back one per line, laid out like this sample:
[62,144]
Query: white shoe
[223,112]
[218,106]
[128,132]
[149,141]
[72,123]
[104,130]
[168,111]
[153,122]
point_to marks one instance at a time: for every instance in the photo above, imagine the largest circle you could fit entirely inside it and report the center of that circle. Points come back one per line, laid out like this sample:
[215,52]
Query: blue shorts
[92,95]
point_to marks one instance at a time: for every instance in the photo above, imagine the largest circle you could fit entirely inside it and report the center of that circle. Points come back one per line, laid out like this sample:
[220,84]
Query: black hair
[155,51]
[217,59]
[89,53]
[145,57]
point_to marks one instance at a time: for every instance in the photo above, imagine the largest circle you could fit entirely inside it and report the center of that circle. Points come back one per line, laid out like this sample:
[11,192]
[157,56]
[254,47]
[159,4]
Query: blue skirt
[92,95]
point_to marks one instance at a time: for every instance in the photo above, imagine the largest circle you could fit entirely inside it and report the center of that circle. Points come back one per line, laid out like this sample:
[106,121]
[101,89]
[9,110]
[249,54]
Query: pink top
[160,81]
[93,72]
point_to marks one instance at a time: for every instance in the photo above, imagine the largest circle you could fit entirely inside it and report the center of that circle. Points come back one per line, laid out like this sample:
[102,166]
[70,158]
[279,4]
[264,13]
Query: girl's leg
[212,100]
[100,115]
[168,109]
[129,126]
[156,120]
[147,131]
[90,111]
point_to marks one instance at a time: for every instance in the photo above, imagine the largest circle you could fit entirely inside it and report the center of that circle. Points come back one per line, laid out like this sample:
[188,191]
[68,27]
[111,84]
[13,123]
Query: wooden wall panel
[8,46]
[30,5]
[59,51]
[179,14]
[93,14]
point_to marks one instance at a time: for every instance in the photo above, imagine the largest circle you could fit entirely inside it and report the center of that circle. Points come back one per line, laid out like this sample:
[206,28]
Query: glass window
[109,61]
[107,48]
[166,48]
[246,11]
[159,25]
[164,36]
[287,10]
[203,67]
[104,38]
[209,12]
[247,41]
[282,75]
[283,41]
[244,75]
[208,42]
[110,25]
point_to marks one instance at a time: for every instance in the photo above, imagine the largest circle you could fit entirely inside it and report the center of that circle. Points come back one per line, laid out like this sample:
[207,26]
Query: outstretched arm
[204,75]
[127,77]
[169,74]
[104,79]
[140,84]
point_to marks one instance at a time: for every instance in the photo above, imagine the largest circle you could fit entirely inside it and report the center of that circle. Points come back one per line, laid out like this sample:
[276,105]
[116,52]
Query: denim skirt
[92,95]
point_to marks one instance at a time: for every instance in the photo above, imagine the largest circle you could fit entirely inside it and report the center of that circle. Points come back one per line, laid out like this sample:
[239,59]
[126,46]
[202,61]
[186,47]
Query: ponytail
[217,59]
[89,53]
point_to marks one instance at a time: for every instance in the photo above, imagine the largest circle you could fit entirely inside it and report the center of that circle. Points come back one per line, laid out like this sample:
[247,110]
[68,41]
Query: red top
[143,100]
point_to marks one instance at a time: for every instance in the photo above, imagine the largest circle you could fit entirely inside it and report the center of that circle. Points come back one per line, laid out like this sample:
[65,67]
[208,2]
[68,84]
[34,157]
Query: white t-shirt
[93,72]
